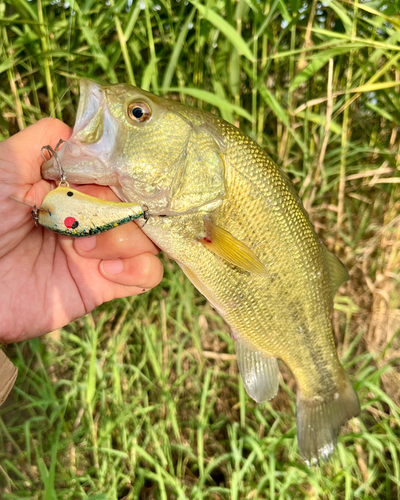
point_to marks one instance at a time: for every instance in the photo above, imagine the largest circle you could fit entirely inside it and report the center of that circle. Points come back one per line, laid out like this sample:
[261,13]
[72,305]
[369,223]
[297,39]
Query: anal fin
[260,372]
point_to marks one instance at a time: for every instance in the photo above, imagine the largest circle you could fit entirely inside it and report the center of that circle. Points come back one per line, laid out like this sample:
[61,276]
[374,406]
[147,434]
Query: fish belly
[270,312]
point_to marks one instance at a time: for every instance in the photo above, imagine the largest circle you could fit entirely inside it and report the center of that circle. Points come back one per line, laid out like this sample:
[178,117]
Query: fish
[234,223]
[72,213]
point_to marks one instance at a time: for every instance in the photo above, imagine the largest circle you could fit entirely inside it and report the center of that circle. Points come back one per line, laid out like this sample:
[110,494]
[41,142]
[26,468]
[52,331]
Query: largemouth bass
[232,220]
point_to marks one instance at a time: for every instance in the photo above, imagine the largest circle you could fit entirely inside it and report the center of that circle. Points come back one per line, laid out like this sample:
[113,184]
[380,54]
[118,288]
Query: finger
[103,192]
[45,132]
[121,242]
[143,271]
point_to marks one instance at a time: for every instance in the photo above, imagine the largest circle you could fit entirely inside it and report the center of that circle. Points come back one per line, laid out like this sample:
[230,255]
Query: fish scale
[233,221]
[258,217]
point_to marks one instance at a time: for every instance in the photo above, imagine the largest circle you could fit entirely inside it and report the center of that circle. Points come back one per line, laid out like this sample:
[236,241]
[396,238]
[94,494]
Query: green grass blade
[225,28]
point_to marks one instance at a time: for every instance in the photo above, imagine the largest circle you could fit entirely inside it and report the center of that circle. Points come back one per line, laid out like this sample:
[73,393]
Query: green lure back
[72,213]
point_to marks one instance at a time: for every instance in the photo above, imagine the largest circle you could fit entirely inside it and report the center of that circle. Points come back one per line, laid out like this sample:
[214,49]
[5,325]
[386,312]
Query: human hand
[48,280]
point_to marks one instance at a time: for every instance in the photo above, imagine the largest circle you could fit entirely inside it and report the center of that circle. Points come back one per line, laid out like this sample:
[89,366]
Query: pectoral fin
[260,372]
[229,248]
[338,273]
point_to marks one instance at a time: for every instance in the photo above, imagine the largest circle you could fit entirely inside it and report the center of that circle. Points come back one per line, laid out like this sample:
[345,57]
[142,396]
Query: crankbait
[72,213]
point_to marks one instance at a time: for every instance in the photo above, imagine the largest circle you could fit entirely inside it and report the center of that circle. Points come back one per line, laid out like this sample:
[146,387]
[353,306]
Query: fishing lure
[72,213]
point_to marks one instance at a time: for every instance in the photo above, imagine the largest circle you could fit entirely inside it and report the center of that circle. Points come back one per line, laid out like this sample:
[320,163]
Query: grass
[141,399]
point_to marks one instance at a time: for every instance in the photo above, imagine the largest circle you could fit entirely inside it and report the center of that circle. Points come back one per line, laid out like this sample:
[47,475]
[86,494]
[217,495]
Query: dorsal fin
[229,248]
[337,272]
[260,372]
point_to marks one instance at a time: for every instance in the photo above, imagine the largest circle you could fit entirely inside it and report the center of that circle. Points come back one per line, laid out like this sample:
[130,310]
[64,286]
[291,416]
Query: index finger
[24,148]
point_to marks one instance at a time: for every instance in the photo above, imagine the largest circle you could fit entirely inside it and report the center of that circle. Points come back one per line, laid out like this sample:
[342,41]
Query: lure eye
[139,112]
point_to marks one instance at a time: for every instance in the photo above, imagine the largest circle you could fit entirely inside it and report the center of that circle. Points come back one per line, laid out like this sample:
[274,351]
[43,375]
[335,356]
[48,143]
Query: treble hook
[35,215]
[53,153]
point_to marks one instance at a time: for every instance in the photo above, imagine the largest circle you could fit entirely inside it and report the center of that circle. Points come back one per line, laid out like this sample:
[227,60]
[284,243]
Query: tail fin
[319,421]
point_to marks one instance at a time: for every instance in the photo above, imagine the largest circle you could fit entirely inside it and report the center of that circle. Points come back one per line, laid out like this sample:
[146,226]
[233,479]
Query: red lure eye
[71,223]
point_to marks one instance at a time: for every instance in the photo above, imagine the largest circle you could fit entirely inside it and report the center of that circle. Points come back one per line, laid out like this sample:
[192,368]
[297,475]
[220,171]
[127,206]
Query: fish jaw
[86,156]
[170,163]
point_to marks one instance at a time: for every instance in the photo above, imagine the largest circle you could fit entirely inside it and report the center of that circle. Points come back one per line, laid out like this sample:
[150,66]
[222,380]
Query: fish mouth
[86,156]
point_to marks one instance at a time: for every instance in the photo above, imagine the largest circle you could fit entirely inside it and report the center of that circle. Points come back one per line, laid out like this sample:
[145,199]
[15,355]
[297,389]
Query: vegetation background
[142,399]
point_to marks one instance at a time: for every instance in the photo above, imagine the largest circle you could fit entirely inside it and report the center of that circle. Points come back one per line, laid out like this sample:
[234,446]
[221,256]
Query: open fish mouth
[86,155]
[91,100]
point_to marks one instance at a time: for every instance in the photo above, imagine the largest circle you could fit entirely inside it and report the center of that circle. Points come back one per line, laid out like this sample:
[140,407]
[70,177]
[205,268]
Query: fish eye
[139,112]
